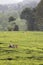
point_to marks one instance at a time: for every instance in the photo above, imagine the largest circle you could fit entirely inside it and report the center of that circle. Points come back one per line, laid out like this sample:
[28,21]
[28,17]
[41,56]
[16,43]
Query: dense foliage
[39,13]
[25,19]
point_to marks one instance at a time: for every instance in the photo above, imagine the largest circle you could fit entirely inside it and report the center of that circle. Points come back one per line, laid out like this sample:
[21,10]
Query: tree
[16,28]
[27,14]
[11,18]
[39,11]
[13,27]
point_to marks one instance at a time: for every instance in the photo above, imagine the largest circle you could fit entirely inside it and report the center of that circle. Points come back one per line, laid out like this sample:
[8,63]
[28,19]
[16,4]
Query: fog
[14,1]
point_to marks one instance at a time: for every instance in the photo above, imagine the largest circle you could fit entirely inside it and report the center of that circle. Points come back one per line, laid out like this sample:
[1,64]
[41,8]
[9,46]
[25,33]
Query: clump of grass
[40,64]
[28,51]
[1,43]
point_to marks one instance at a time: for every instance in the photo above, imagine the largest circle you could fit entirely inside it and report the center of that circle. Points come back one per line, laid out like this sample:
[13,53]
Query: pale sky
[12,1]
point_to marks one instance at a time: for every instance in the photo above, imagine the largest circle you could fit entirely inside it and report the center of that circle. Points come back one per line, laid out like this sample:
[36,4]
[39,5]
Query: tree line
[29,19]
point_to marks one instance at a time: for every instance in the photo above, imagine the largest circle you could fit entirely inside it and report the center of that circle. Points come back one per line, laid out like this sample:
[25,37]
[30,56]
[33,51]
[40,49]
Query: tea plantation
[29,50]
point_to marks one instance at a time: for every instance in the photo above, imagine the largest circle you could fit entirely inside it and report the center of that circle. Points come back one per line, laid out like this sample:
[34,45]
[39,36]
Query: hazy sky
[12,1]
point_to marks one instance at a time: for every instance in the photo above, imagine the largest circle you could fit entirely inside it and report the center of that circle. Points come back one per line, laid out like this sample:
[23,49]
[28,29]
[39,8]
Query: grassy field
[28,52]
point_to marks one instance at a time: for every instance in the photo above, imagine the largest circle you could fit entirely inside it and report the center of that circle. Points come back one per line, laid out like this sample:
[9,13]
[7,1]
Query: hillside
[29,49]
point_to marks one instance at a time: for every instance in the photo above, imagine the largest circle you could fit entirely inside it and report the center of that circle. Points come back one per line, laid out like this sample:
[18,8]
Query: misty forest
[23,16]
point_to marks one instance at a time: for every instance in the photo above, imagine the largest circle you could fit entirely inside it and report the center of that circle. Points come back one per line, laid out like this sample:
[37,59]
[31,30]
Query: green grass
[29,51]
